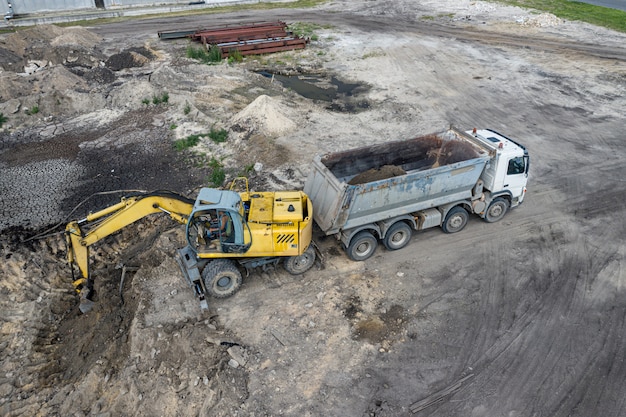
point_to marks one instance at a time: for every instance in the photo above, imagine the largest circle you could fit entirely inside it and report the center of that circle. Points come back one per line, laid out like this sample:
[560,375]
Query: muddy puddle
[341,96]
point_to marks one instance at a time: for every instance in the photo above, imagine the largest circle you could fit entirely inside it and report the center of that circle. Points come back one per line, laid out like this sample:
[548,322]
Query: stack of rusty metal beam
[250,39]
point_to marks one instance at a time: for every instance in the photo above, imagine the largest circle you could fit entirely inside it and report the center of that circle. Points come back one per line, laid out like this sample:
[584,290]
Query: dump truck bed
[378,182]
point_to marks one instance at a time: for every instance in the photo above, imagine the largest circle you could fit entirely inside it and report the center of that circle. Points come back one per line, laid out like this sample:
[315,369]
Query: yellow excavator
[226,231]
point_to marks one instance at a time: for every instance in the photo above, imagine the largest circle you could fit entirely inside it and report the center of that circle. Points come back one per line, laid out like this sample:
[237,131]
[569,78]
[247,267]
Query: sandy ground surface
[524,317]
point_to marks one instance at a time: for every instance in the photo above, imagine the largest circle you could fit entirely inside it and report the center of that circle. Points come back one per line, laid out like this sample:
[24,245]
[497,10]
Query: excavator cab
[218,230]
[216,224]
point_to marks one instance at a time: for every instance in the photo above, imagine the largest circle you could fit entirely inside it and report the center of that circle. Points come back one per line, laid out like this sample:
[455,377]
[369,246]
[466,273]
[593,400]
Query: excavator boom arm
[81,234]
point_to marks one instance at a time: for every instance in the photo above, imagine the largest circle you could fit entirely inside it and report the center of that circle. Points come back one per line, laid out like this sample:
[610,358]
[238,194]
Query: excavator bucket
[85,303]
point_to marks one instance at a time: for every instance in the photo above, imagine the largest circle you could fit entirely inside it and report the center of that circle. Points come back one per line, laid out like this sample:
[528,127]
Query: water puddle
[341,96]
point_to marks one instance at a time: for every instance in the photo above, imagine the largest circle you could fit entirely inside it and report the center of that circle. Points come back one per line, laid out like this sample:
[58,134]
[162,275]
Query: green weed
[218,175]
[3,119]
[218,135]
[573,10]
[210,56]
[188,142]
[234,56]
[306,30]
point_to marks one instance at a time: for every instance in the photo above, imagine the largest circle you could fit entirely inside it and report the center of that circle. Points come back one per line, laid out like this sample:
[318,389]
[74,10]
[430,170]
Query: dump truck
[385,192]
[226,232]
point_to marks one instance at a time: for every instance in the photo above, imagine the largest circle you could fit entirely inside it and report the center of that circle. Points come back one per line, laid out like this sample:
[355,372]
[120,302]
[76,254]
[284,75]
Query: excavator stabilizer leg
[189,266]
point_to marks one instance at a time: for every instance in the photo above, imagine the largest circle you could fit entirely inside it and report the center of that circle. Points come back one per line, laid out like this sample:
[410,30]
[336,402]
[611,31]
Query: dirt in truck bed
[523,317]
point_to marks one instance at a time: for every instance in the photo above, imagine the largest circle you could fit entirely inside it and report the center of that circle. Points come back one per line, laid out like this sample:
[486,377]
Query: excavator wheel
[297,265]
[221,278]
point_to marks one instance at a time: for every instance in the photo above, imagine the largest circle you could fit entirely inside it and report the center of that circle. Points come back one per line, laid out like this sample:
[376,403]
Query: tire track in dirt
[538,341]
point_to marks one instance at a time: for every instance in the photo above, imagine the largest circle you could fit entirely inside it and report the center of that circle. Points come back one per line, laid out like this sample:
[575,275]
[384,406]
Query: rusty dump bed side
[373,183]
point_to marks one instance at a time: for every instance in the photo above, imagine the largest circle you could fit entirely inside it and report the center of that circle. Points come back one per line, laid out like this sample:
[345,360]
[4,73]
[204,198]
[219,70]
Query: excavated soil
[524,317]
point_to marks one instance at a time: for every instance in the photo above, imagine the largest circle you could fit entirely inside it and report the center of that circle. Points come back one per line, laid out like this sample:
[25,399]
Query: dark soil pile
[377,174]
[131,58]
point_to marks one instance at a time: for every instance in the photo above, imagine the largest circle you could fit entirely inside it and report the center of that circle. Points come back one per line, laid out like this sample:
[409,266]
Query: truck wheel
[297,265]
[398,236]
[455,220]
[362,246]
[497,209]
[221,278]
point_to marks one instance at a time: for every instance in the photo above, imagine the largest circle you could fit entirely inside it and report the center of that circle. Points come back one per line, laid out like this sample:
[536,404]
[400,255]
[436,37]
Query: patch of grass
[572,10]
[218,135]
[211,56]
[306,30]
[373,54]
[163,98]
[234,56]
[3,119]
[427,17]
[33,110]
[156,100]
[246,170]
[188,142]
[173,126]
[186,109]
[218,175]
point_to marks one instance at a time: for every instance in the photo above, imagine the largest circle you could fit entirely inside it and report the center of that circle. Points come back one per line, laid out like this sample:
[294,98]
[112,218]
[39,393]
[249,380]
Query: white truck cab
[507,172]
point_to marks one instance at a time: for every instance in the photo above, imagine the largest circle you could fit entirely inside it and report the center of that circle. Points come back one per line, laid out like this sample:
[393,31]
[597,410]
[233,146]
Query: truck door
[516,177]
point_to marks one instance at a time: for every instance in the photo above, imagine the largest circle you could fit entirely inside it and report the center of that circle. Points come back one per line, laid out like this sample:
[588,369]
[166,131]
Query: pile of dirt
[52,71]
[452,151]
[542,20]
[377,174]
[130,58]
[53,44]
[264,116]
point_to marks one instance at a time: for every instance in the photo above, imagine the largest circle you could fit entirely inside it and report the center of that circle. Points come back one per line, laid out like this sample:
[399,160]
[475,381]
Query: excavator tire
[297,265]
[222,278]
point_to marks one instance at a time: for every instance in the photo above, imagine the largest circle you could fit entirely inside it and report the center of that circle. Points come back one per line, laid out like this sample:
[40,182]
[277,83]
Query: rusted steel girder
[247,39]
[218,35]
[234,37]
[262,47]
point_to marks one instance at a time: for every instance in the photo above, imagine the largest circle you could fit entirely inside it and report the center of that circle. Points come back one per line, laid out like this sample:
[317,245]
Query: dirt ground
[524,317]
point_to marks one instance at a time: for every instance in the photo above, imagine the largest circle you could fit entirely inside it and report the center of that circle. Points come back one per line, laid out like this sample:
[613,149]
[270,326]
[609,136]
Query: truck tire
[362,246]
[221,278]
[398,236]
[456,219]
[297,265]
[496,210]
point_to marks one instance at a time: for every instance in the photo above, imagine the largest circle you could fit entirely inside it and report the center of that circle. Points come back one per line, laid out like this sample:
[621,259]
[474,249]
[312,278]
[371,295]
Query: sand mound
[76,36]
[265,116]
